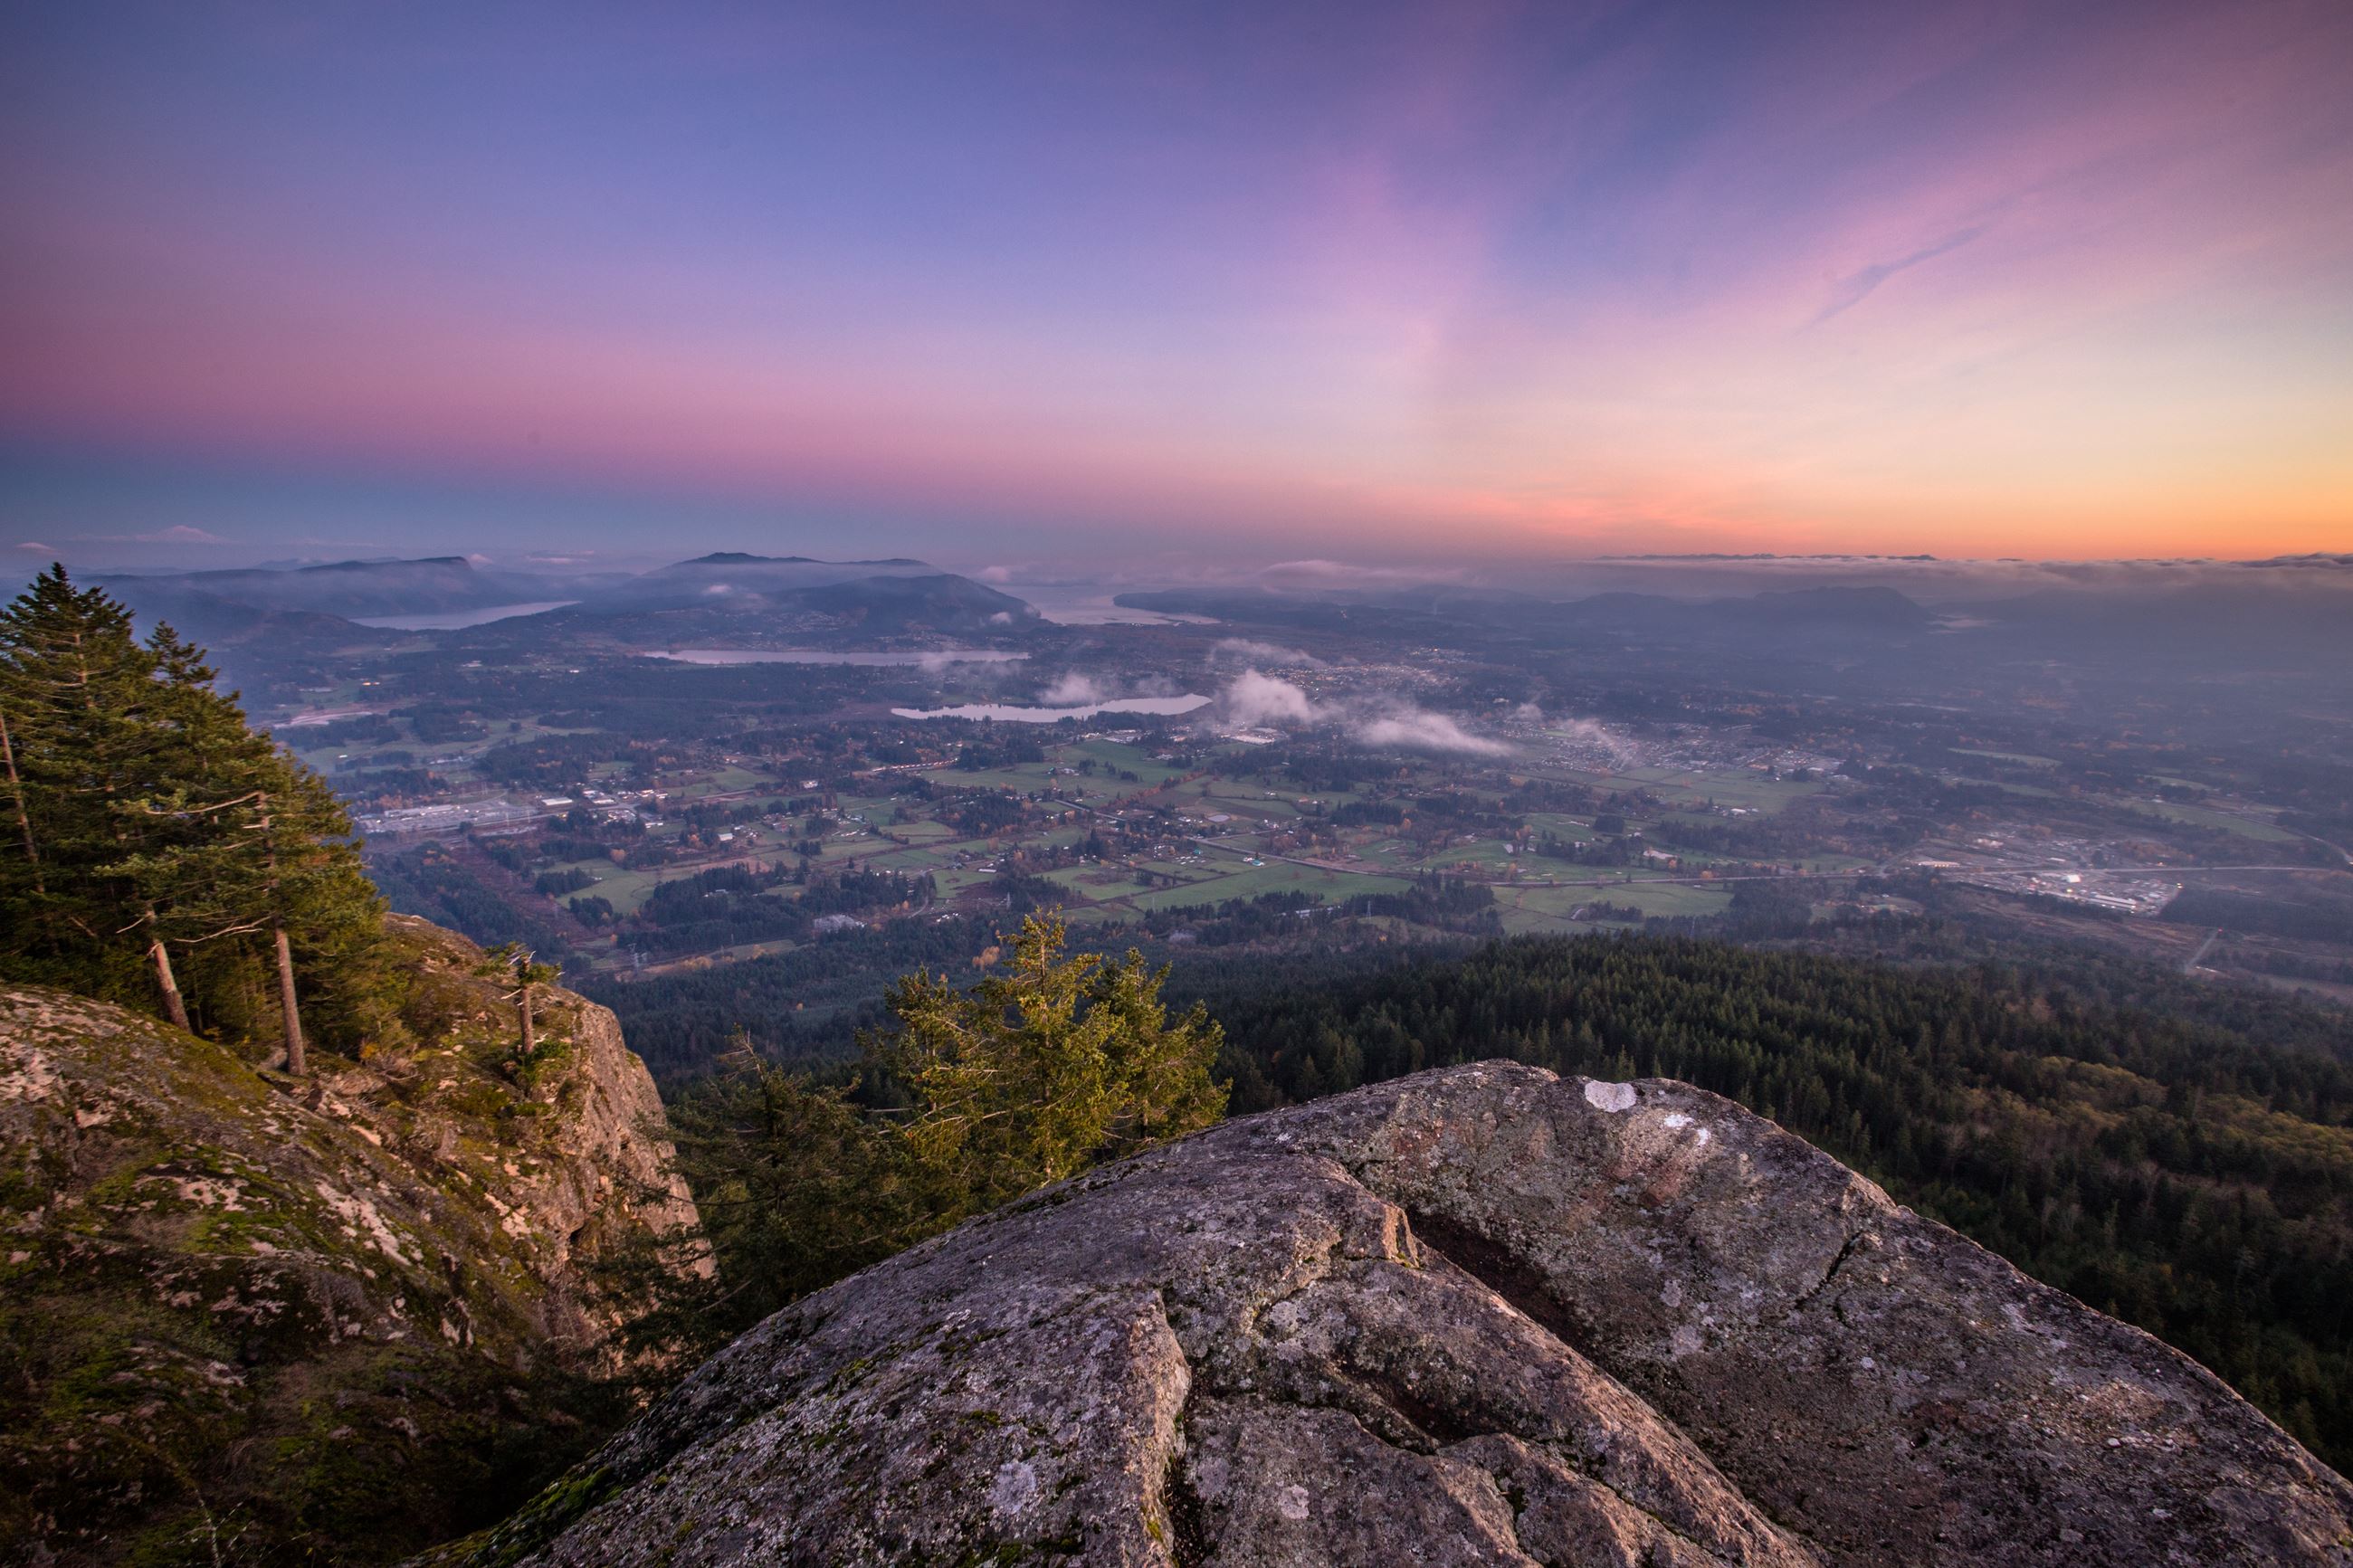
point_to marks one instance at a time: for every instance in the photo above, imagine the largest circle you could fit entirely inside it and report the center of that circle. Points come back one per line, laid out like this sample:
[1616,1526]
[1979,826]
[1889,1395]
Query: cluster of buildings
[454,817]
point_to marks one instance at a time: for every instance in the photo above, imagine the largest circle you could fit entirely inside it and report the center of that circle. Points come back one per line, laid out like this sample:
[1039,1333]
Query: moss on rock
[246,1318]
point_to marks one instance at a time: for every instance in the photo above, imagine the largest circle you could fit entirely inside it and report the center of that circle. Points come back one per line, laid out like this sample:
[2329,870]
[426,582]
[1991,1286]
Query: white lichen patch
[26,1074]
[226,1192]
[359,1215]
[1015,1488]
[1611,1096]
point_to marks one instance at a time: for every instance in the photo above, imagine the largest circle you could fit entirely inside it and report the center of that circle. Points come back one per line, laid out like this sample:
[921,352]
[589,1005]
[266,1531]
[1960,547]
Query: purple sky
[1027,281]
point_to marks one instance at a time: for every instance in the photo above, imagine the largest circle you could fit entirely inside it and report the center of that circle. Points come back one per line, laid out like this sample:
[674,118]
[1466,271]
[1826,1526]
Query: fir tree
[166,854]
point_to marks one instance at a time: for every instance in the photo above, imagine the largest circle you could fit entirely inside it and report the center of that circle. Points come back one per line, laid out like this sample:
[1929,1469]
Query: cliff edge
[246,1317]
[1479,1316]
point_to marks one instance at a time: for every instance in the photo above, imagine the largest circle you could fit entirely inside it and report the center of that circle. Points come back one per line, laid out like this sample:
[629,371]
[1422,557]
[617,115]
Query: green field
[2253,828]
[1729,786]
[1547,909]
[1250,881]
[2025,757]
[1097,884]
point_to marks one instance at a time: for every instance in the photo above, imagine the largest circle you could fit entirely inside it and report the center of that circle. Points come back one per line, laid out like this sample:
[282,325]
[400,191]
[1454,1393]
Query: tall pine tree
[165,854]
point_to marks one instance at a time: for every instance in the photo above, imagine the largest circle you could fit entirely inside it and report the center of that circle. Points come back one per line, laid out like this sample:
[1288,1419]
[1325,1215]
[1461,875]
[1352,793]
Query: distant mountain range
[1800,615]
[437,584]
[2275,615]
[729,591]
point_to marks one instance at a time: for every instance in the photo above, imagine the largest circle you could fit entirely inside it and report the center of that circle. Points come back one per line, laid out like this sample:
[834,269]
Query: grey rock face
[306,1309]
[1480,1316]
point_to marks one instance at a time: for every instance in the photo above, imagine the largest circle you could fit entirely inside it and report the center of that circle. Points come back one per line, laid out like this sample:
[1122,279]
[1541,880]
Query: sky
[1019,283]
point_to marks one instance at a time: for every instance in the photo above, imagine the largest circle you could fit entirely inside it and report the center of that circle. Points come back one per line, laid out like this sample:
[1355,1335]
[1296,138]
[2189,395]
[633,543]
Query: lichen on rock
[343,1316]
[1479,1316]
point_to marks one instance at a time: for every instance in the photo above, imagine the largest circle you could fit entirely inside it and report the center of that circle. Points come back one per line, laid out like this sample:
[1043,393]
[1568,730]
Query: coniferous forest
[161,853]
[2190,1176]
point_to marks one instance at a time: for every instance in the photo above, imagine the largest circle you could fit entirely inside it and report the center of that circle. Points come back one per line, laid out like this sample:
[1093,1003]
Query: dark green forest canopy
[2191,1178]
[161,853]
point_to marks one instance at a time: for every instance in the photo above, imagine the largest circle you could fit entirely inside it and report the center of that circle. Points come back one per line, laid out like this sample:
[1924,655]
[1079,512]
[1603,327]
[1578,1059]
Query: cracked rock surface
[1484,1315]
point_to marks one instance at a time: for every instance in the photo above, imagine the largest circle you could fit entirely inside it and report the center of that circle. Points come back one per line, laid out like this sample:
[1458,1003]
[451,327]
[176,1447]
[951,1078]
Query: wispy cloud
[1249,650]
[1856,287]
[178,533]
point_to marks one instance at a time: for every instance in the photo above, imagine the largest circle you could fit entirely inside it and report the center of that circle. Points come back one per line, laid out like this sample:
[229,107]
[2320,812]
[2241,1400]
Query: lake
[931,659]
[456,619]
[1007,713]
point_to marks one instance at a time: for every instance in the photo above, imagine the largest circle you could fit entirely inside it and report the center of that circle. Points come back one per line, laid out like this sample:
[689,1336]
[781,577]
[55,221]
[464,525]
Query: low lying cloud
[1246,650]
[1419,729]
[1319,574]
[1073,691]
[1594,733]
[1254,697]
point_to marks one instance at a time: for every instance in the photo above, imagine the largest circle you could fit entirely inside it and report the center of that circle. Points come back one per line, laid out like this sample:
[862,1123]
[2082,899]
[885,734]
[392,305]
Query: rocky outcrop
[1480,1316]
[342,1316]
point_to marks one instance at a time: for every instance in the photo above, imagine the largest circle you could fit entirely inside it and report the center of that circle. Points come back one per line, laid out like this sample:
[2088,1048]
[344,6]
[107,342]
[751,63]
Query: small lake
[459,618]
[1007,713]
[932,660]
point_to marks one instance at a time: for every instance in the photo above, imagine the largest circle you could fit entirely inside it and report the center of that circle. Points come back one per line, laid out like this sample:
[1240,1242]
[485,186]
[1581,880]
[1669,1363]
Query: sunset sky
[1000,280]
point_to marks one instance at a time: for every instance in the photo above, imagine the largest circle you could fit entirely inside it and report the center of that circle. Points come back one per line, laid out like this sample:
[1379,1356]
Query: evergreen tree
[80,692]
[1033,1075]
[165,854]
[1045,1068]
[515,962]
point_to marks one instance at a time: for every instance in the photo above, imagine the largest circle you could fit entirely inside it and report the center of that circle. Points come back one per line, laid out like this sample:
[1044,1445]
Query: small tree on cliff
[515,964]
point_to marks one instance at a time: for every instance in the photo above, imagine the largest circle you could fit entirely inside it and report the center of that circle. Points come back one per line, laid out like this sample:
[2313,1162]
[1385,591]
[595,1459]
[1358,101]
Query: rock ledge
[1480,1316]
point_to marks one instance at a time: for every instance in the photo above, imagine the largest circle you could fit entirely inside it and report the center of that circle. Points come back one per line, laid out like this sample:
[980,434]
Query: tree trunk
[174,1006]
[530,1039]
[16,793]
[295,1061]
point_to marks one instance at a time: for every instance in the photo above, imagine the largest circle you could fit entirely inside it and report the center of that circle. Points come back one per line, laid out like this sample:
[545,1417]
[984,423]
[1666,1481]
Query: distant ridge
[741,558]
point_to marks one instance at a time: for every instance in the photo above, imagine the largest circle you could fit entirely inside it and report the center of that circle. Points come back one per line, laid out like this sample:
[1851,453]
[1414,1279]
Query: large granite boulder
[1479,1316]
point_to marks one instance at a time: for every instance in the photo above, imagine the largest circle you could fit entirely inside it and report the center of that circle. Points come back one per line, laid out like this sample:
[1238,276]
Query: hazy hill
[1869,613]
[730,595]
[734,575]
[435,586]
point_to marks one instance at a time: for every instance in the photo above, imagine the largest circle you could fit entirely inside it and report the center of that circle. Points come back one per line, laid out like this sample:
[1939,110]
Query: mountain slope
[252,1315]
[1477,1316]
[734,592]
[353,588]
